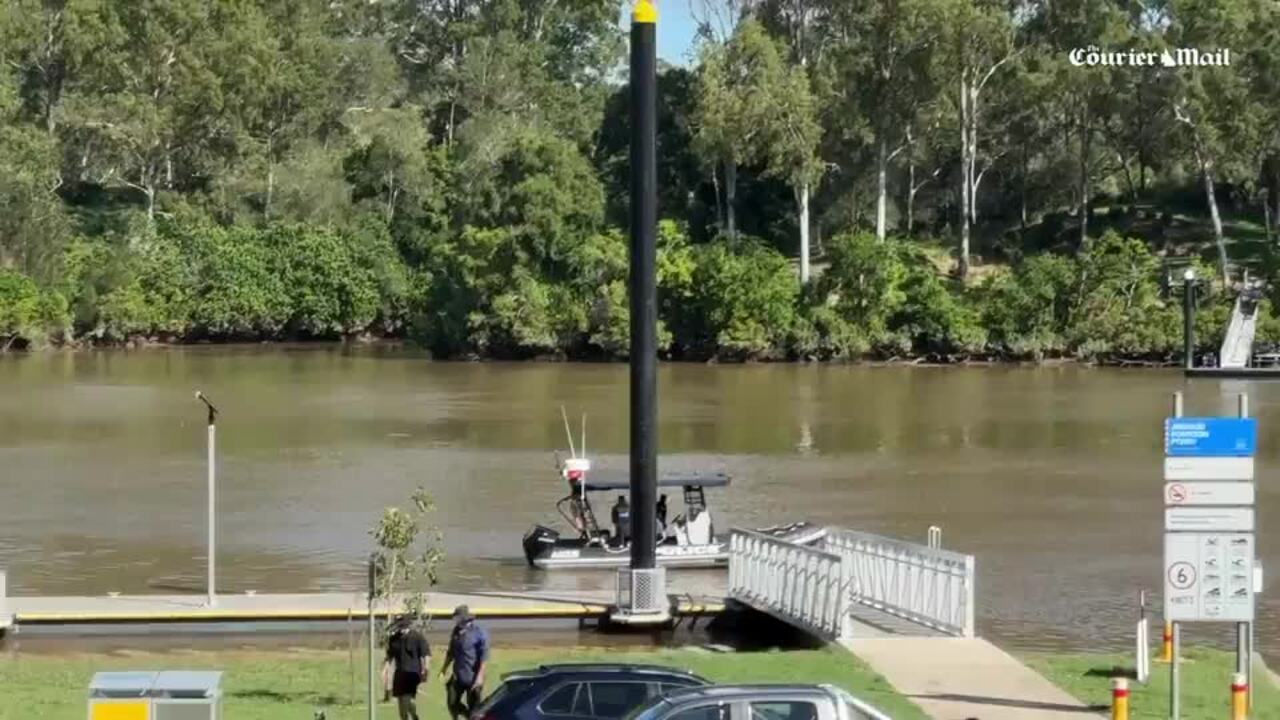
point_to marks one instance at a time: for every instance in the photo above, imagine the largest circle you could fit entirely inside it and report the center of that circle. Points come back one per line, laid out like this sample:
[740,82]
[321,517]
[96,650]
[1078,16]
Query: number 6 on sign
[1182,575]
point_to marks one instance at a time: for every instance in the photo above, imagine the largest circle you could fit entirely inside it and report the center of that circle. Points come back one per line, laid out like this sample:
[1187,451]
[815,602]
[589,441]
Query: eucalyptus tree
[980,39]
[884,53]
[1221,121]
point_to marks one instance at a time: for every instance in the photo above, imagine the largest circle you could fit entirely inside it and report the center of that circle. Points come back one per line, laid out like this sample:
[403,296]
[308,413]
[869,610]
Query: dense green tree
[455,171]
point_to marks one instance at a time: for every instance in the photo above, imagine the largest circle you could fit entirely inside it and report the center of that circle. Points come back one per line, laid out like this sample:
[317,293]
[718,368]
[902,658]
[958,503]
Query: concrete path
[967,678]
[310,606]
[242,607]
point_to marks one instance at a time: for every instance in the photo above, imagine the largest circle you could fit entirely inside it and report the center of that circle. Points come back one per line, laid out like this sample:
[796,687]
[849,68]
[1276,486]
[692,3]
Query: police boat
[689,540]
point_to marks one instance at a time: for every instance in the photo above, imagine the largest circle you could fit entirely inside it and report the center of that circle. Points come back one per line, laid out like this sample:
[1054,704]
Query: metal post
[373,576]
[211,585]
[1174,687]
[213,592]
[1175,679]
[1244,631]
[1189,319]
[644,305]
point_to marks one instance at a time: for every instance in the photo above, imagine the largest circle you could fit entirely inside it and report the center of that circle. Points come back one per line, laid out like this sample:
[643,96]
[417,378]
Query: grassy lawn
[1206,680]
[284,685]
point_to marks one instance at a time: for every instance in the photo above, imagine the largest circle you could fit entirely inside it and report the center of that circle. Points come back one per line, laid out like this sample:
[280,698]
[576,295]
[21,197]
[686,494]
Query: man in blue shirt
[469,654]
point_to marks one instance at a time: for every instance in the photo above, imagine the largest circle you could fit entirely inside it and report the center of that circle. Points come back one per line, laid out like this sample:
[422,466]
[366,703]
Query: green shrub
[743,301]
[30,316]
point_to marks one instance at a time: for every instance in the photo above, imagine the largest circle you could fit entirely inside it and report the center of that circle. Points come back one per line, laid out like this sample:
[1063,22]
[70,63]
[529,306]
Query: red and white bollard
[1119,699]
[1239,697]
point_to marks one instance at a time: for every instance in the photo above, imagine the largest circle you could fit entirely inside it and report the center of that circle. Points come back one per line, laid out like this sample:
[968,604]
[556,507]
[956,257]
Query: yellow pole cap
[645,12]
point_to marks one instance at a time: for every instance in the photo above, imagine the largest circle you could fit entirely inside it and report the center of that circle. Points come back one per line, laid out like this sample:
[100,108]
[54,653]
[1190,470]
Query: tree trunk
[1085,139]
[715,186]
[730,195]
[911,195]
[1273,200]
[1022,193]
[1275,190]
[271,188]
[1266,216]
[973,154]
[453,109]
[965,178]
[804,234]
[1206,171]
[882,189]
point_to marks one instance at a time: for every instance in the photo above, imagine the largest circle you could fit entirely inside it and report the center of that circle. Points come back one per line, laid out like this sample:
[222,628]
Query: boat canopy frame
[681,480]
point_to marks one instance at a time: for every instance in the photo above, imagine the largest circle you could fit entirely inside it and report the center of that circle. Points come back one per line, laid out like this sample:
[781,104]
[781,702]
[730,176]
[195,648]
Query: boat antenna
[584,434]
[568,432]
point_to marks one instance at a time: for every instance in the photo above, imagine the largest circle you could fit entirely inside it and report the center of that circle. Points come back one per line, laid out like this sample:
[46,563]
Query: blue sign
[1210,437]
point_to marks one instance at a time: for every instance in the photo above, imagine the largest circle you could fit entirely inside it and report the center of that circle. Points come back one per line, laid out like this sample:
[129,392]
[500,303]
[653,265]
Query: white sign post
[1210,520]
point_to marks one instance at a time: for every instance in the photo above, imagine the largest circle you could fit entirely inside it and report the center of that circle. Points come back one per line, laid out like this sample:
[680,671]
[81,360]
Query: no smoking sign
[1175,493]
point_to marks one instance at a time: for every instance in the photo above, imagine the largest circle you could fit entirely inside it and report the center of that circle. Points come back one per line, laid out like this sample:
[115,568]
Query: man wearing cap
[468,653]
[409,653]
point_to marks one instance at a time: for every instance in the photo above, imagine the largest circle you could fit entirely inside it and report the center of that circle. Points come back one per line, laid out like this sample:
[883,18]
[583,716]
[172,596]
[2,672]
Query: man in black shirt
[621,521]
[410,654]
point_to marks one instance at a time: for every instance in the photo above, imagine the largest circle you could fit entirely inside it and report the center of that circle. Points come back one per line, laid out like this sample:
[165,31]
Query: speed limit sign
[1182,575]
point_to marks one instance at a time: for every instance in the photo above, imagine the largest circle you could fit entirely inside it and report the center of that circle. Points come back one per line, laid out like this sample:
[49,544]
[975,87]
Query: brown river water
[1050,476]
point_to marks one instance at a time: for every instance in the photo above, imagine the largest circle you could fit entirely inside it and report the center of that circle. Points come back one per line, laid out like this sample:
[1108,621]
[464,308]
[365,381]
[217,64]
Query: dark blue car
[581,691]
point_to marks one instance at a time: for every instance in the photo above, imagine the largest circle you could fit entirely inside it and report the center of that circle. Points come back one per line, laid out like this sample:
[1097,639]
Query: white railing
[5,618]
[799,584]
[928,586]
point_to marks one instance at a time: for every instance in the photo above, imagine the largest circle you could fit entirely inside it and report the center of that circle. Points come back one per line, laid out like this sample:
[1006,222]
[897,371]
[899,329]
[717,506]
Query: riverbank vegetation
[922,179]
[1205,681]
[293,684]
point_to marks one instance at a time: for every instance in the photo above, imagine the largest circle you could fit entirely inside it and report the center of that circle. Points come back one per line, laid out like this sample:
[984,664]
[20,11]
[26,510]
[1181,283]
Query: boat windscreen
[622,481]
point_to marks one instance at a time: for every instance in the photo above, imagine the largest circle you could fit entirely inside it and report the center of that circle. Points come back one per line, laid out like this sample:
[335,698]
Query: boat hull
[545,550]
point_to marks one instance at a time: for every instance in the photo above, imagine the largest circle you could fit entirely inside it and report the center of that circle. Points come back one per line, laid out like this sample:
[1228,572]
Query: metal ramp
[1237,345]
[852,584]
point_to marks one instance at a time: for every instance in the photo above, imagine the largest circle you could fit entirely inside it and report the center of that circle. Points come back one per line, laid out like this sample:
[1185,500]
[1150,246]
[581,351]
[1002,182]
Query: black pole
[644,304]
[1188,322]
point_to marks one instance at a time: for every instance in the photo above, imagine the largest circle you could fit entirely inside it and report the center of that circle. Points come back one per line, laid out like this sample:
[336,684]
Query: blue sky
[675,29]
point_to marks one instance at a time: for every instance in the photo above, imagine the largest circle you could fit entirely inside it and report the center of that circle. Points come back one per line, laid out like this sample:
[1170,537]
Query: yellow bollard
[1239,697]
[1119,699]
[1166,647]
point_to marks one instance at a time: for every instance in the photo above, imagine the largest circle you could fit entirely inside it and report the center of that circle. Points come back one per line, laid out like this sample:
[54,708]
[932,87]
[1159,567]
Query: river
[1051,476]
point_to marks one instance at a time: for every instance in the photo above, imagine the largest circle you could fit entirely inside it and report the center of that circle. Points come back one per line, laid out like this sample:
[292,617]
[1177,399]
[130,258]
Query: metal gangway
[1237,344]
[849,581]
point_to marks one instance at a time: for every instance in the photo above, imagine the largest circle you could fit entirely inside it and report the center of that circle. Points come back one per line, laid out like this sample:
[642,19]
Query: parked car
[758,702]
[578,690]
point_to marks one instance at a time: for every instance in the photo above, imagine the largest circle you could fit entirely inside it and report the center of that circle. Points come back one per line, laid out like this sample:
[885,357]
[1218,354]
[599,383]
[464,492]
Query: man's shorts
[405,683]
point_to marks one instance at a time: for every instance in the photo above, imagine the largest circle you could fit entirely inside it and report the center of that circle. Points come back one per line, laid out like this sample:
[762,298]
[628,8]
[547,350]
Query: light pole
[1189,318]
[213,415]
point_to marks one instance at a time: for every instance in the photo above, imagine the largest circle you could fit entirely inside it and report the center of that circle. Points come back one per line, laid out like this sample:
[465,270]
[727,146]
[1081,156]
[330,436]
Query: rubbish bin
[187,695]
[121,695]
[151,695]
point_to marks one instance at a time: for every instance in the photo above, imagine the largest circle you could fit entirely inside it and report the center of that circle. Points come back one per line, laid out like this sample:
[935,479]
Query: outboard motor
[538,542]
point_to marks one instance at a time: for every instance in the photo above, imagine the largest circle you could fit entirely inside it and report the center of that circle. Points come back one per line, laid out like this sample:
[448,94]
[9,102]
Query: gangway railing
[1237,344]
[819,587]
[925,585]
[6,618]
[799,584]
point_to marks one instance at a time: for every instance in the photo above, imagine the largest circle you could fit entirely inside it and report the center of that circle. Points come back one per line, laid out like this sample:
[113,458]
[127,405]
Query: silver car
[758,702]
